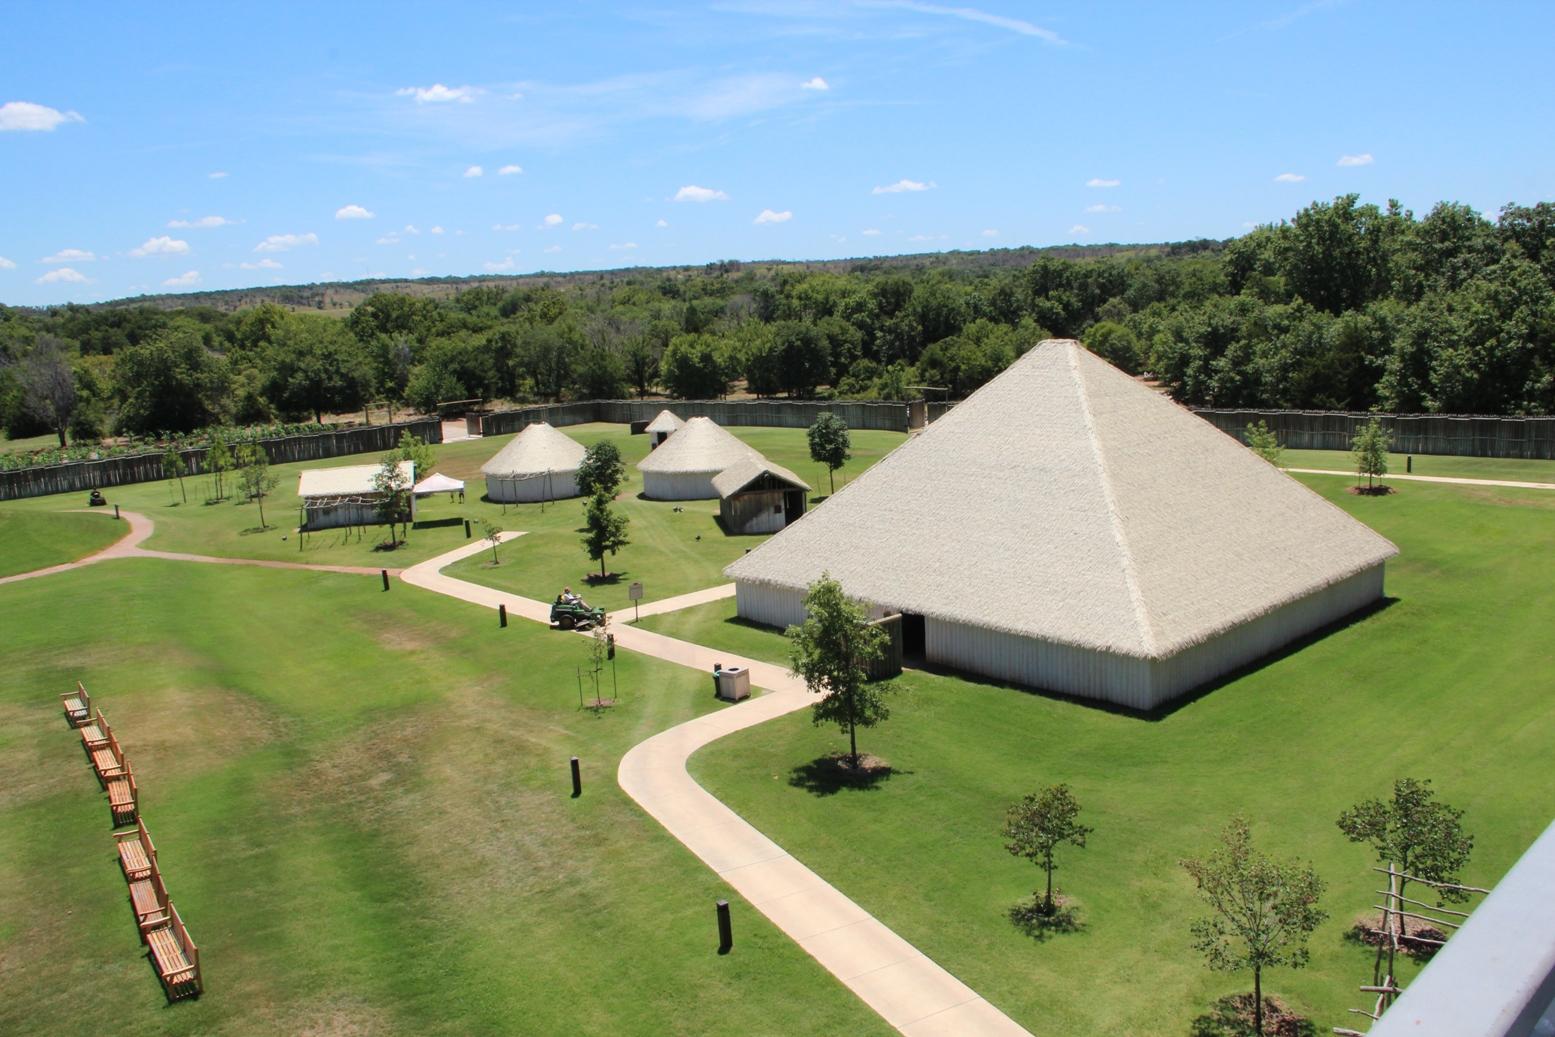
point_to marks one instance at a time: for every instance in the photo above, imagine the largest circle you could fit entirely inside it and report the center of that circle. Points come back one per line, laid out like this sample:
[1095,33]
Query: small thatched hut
[684,467]
[538,464]
[665,424]
[757,496]
[1069,528]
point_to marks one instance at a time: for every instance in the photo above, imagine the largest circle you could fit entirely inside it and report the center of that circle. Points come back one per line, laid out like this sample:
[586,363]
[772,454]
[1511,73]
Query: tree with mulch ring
[1233,1016]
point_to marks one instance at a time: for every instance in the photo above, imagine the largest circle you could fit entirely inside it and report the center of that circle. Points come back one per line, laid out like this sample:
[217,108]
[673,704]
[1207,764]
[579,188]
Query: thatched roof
[665,421]
[538,449]
[1066,501]
[701,446]
[351,480]
[747,470]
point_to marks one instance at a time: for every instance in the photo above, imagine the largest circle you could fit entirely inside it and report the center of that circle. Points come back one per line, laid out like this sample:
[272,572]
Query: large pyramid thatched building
[1069,528]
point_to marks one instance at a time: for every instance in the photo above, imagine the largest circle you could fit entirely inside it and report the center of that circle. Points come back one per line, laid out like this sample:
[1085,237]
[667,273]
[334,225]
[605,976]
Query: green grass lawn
[1430,464]
[27,444]
[1453,681]
[363,813]
[36,540]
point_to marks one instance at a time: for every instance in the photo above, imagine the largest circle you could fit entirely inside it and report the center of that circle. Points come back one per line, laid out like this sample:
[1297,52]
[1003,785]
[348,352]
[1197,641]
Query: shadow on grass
[1362,934]
[437,523]
[1232,1016]
[1031,920]
[251,530]
[833,773]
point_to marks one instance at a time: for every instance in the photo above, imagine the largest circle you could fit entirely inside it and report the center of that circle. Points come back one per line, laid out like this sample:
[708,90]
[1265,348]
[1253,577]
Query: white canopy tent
[437,482]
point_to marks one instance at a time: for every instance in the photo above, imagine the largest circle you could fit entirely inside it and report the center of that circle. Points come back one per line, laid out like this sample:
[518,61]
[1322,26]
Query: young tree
[829,444]
[1370,450]
[831,652]
[394,484]
[255,476]
[173,467]
[414,449]
[601,471]
[606,529]
[1261,440]
[1263,909]
[48,384]
[492,534]
[217,460]
[1420,836]
[1039,824]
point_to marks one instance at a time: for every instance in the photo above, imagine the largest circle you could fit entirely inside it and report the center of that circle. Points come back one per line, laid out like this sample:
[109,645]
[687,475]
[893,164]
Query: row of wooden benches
[173,951]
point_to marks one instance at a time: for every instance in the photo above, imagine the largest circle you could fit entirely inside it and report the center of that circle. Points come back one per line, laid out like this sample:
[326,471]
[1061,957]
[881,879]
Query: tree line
[1345,306]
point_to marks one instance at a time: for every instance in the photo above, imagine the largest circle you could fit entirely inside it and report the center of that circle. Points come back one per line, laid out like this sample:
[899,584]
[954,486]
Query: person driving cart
[569,598]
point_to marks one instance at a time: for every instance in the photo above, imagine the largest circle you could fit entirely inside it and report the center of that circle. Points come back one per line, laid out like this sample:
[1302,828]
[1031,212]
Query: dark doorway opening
[793,505]
[912,636]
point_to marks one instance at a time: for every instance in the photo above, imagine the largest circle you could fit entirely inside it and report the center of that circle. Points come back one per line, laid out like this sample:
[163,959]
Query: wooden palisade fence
[1463,435]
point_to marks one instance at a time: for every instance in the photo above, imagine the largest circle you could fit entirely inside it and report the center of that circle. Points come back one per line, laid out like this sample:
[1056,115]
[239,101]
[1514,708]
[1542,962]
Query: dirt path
[140,530]
[908,989]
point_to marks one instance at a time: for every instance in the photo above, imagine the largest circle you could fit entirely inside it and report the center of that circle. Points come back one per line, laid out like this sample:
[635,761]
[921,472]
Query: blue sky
[162,147]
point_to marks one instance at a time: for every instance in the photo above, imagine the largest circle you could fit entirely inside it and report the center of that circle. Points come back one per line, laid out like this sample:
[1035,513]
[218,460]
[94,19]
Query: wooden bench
[94,733]
[176,957]
[137,854]
[108,760]
[124,798]
[150,902]
[78,705]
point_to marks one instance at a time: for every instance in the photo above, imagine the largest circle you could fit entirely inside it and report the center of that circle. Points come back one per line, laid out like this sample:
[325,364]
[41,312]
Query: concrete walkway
[1512,484]
[907,989]
[675,604]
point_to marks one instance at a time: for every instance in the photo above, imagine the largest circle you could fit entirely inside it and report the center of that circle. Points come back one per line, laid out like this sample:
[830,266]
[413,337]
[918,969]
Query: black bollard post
[385,574]
[115,511]
[1409,463]
[502,616]
[466,529]
[725,930]
[577,779]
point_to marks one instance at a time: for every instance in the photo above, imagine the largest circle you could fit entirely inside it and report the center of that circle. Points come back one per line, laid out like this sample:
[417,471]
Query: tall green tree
[314,365]
[601,470]
[1039,824]
[831,652]
[604,529]
[48,384]
[830,442]
[255,477]
[693,367]
[1262,910]
[1369,448]
[1414,832]
[172,382]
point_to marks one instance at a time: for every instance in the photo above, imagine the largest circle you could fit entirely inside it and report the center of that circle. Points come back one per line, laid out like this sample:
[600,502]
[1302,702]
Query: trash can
[734,683]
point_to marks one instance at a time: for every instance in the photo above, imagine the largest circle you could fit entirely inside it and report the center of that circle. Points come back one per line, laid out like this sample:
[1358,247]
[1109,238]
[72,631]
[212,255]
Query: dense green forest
[1346,306]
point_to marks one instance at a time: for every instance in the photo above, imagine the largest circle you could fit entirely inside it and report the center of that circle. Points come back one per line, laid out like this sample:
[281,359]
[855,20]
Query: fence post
[725,929]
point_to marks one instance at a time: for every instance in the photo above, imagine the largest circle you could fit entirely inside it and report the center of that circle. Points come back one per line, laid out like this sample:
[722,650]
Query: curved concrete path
[900,982]
[1450,480]
[140,530]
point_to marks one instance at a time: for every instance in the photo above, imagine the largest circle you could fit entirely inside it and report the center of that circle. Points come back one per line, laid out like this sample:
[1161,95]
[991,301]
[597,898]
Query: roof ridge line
[1130,578]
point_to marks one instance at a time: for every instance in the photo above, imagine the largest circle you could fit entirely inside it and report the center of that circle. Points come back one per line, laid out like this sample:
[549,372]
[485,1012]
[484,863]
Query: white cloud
[553,220]
[474,171]
[1103,207]
[220,174]
[184,280]
[693,193]
[625,246]
[1079,228]
[389,239]
[6,264]
[264,264]
[904,185]
[494,267]
[815,83]
[283,242]
[203,223]
[410,228]
[419,271]
[161,246]
[510,170]
[353,212]
[926,237]
[1097,181]
[437,93]
[1289,178]
[437,230]
[64,275]
[1363,159]
[505,228]
[553,248]
[661,223]
[585,226]
[870,232]
[70,255]
[768,216]
[990,232]
[24,116]
[972,14]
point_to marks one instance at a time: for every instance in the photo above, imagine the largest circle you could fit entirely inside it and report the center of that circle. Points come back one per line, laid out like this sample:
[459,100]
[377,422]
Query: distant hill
[342,296]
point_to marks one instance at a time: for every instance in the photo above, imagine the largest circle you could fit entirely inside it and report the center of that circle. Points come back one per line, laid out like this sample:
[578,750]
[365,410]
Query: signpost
[635,593]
